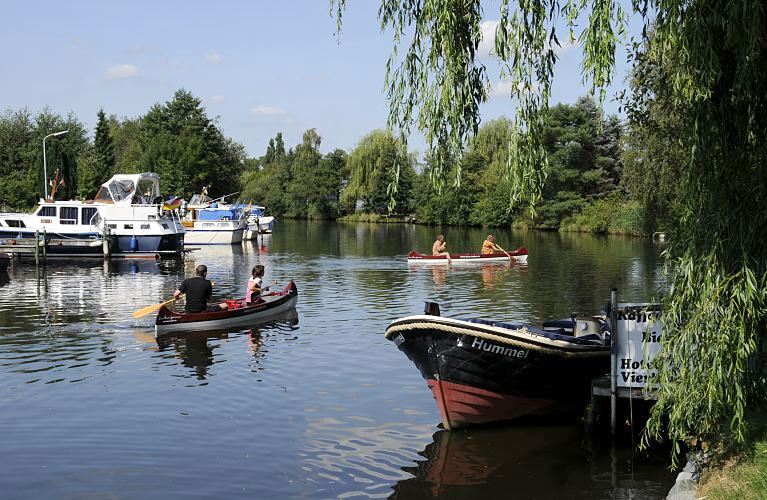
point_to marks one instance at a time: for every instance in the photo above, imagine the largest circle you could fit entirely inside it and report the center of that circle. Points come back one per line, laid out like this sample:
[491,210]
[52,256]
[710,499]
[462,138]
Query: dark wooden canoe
[271,304]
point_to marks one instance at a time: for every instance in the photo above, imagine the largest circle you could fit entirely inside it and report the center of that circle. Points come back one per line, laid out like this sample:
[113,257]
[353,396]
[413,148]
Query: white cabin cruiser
[128,209]
[258,222]
[208,223]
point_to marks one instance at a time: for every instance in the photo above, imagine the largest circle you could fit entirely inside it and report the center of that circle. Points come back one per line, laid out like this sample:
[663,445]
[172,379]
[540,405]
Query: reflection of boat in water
[520,254]
[195,352]
[271,305]
[531,462]
[482,371]
[5,259]
[4,278]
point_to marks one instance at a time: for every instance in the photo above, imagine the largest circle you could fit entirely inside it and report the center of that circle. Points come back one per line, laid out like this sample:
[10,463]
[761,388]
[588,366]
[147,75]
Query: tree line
[586,186]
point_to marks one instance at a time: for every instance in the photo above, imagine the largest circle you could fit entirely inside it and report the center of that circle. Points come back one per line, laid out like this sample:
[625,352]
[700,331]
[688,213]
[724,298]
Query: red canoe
[519,255]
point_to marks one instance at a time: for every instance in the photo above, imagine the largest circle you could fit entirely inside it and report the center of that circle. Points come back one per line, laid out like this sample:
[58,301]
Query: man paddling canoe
[198,291]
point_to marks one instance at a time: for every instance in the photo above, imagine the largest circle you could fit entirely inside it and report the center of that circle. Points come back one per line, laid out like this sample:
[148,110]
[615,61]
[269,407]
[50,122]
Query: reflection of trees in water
[526,461]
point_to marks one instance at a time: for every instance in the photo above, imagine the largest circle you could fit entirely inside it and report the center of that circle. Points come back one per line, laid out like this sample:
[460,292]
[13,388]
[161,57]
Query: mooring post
[37,248]
[613,361]
[45,245]
[105,240]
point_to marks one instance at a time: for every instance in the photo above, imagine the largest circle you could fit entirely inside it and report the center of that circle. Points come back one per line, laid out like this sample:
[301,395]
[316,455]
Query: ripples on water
[314,404]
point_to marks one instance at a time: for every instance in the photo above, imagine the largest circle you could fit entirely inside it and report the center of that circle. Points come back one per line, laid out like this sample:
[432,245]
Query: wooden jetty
[42,248]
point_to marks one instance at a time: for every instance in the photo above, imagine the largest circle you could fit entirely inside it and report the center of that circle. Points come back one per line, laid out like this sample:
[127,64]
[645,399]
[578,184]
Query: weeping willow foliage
[711,371]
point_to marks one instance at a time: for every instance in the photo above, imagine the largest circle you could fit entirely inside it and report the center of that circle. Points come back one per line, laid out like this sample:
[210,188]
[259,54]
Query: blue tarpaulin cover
[213,214]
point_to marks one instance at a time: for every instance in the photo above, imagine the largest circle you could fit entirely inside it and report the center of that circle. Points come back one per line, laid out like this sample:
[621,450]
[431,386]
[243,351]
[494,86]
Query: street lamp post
[45,163]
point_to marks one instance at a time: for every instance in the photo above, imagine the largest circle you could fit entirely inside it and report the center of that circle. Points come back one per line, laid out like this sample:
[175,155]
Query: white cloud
[487,45]
[565,47]
[217,99]
[213,58]
[267,110]
[504,86]
[501,88]
[120,72]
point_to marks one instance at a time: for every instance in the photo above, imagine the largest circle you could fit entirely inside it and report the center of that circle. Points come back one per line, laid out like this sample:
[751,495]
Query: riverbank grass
[745,479]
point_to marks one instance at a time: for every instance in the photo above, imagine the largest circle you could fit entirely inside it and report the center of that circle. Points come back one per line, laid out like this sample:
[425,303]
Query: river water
[316,404]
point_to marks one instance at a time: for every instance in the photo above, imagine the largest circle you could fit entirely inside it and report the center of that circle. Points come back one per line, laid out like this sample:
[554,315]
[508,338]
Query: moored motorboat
[210,223]
[258,222]
[518,255]
[482,371]
[127,209]
[271,304]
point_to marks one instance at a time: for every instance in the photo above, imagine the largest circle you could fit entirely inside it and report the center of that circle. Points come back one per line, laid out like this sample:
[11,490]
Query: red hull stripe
[462,405]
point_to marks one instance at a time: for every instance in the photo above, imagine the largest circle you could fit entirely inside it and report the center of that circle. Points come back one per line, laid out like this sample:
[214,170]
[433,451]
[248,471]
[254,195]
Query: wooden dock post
[105,240]
[45,245]
[613,361]
[37,248]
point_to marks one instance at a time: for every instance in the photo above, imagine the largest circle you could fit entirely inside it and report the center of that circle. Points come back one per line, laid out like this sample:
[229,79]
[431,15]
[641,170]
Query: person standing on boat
[255,284]
[489,246]
[438,248]
[198,292]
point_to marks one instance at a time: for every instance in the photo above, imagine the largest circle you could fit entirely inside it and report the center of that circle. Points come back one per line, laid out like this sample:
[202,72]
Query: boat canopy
[130,189]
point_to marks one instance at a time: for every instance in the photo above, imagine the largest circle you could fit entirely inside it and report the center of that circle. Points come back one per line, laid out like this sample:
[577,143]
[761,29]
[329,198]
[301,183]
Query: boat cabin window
[164,225]
[112,226]
[15,223]
[144,226]
[127,226]
[47,212]
[68,215]
[89,216]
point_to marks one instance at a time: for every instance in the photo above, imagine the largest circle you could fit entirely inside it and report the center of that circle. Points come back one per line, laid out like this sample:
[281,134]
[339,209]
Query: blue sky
[259,66]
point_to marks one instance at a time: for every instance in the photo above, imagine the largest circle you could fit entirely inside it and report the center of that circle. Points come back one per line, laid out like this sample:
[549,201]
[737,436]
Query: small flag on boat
[172,204]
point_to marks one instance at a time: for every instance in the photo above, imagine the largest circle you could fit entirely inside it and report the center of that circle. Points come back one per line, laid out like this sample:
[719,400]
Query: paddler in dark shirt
[198,292]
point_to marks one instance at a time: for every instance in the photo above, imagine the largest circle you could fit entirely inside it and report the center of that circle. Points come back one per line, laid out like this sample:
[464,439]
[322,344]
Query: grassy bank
[608,216]
[367,217]
[744,478]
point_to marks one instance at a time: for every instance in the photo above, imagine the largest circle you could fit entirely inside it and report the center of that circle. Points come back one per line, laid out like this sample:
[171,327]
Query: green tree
[378,161]
[186,148]
[97,164]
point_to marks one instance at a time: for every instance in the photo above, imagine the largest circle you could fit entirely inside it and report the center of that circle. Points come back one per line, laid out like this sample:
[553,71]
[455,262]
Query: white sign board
[638,337]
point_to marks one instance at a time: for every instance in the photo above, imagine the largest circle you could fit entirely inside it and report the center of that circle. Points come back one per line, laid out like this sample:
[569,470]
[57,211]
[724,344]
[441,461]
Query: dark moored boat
[520,254]
[272,304]
[482,371]
[4,260]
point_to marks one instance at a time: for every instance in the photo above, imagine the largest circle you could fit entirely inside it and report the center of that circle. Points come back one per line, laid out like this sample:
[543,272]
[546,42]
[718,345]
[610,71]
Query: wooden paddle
[504,251]
[150,309]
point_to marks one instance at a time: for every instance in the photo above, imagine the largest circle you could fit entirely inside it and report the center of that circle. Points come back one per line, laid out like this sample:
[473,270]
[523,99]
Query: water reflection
[335,408]
[530,462]
[195,350]
[5,278]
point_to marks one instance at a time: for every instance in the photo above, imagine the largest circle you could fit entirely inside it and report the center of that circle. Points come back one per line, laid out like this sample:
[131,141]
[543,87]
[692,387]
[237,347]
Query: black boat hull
[481,373]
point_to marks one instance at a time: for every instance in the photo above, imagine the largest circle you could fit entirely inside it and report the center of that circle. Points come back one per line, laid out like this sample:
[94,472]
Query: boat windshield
[148,190]
[121,190]
[199,200]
